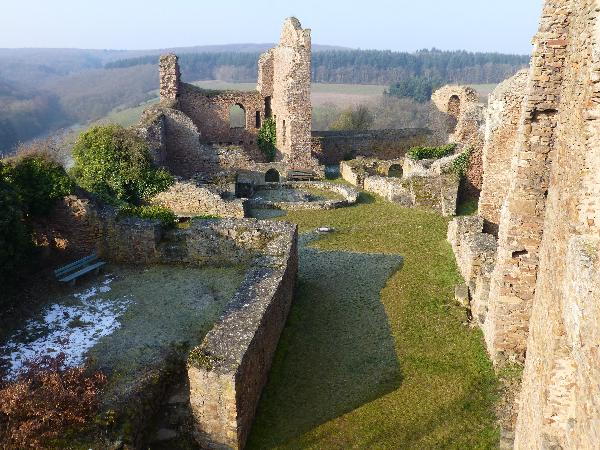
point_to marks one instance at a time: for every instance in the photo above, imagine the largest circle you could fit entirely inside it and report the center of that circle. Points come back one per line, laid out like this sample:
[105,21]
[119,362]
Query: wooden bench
[300,175]
[70,272]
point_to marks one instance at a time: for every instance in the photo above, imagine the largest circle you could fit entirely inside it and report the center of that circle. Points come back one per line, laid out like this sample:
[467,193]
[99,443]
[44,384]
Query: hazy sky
[500,25]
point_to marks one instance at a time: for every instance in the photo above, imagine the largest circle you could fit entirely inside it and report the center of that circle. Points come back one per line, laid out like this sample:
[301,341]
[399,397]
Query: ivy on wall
[267,139]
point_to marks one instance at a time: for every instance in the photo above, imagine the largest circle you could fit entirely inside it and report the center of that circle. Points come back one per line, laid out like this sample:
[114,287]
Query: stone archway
[272,176]
[395,171]
[453,113]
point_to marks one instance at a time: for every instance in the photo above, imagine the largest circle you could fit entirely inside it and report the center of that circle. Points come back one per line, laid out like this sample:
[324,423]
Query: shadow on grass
[336,352]
[365,198]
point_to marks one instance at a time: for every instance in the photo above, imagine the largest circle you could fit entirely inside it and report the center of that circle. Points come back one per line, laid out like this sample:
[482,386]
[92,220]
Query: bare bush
[46,401]
[56,147]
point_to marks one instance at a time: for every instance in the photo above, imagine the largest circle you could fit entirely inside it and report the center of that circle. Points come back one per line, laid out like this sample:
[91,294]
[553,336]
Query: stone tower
[284,82]
[170,77]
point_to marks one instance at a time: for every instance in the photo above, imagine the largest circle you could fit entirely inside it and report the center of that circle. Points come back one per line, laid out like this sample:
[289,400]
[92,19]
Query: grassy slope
[357,370]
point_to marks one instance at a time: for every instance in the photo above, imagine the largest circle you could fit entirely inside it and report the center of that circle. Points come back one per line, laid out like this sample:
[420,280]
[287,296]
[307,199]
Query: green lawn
[375,354]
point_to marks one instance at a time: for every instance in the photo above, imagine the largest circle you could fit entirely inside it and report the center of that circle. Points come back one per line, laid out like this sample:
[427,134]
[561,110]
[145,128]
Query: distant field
[128,116]
[341,95]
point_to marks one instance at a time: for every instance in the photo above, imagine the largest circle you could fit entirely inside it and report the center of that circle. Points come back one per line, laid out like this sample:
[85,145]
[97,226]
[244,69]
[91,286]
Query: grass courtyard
[375,354]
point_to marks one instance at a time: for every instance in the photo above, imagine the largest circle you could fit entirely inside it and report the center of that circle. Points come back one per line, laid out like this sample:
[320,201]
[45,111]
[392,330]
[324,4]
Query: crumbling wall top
[293,35]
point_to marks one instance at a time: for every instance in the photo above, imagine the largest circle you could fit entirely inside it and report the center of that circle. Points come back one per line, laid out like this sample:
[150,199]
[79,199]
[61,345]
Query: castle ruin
[192,131]
[531,259]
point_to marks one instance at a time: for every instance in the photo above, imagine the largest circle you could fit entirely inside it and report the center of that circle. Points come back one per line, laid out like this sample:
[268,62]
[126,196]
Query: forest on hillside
[353,66]
[42,91]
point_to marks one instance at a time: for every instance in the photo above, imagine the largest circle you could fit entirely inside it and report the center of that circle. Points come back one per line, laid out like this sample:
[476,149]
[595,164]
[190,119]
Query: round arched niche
[395,171]
[453,112]
[272,176]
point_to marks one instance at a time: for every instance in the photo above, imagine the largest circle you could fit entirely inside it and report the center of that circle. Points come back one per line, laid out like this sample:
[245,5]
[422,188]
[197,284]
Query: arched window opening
[268,111]
[272,176]
[453,113]
[237,116]
[395,171]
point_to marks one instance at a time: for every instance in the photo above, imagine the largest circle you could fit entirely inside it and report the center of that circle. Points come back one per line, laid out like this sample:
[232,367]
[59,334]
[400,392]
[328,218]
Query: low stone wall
[356,170]
[350,197]
[331,147]
[229,370]
[428,183]
[393,190]
[189,199]
[475,253]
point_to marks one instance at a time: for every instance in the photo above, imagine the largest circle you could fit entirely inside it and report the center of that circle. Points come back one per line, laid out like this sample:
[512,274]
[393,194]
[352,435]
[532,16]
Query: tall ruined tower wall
[284,78]
[560,404]
[521,225]
[543,307]
[502,122]
[170,77]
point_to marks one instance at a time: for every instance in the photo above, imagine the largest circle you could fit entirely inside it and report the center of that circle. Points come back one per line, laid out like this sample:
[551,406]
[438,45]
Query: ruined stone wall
[170,77]
[228,371]
[522,217]
[501,131]
[174,142]
[189,199]
[544,298]
[349,196]
[475,253]
[209,110]
[284,76]
[428,183]
[153,130]
[332,147]
[355,171]
[560,402]
[465,121]
[283,92]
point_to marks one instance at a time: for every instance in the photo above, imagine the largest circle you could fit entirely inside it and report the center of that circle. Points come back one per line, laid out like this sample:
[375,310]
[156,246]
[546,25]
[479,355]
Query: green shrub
[15,237]
[115,164]
[165,215]
[40,182]
[418,153]
[267,139]
[460,165]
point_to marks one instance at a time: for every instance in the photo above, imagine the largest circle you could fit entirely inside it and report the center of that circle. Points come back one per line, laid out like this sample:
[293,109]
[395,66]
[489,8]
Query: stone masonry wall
[465,126]
[189,199]
[196,121]
[170,77]
[560,400]
[522,217]
[475,253]
[285,79]
[544,301]
[429,184]
[209,110]
[228,371]
[331,147]
[501,131]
